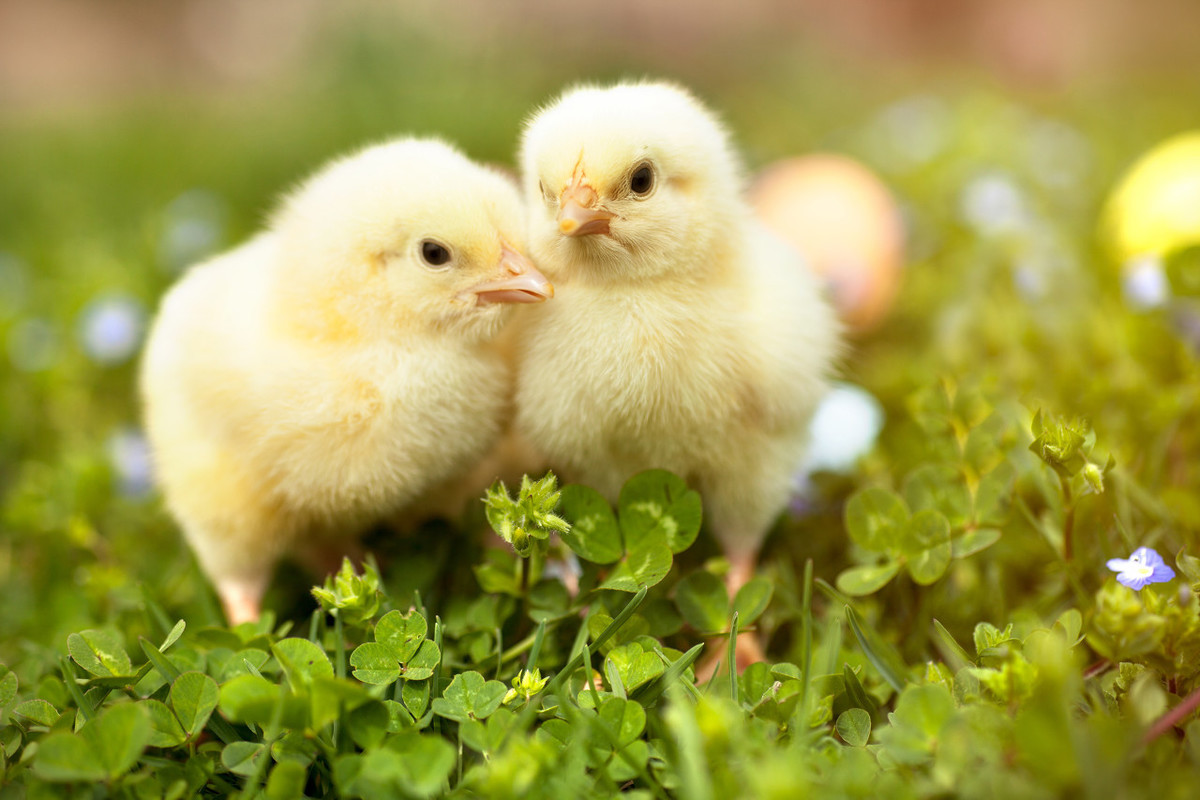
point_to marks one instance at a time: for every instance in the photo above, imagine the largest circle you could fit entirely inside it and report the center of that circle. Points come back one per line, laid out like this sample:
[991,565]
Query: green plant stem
[807,637]
[339,645]
[1068,519]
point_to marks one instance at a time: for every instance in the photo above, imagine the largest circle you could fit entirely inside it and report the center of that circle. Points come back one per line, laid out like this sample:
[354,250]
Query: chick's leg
[241,597]
[238,553]
[742,505]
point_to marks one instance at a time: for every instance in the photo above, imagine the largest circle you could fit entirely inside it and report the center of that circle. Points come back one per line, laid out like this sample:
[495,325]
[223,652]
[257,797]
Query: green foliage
[349,595]
[530,518]
[964,638]
[952,505]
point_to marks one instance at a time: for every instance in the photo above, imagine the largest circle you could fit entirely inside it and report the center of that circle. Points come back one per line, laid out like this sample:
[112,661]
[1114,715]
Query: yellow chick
[685,336]
[335,367]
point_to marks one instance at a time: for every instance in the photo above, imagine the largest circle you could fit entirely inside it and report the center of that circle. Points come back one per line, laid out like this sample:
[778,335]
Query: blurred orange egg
[845,222]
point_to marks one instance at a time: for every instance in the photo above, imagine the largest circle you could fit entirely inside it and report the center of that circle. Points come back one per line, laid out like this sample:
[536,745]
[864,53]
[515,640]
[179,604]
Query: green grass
[914,652]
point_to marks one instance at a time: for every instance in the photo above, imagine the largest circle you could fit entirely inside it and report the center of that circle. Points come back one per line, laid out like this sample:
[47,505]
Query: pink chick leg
[242,598]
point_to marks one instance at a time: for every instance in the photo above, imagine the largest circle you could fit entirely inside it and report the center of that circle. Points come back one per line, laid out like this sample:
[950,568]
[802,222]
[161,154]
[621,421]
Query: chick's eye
[434,253]
[642,180]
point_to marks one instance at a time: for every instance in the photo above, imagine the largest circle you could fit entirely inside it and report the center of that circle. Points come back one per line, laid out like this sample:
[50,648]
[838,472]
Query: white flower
[844,429]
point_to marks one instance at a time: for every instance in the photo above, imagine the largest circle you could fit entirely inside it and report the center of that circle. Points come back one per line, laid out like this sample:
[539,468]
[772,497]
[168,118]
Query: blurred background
[137,137]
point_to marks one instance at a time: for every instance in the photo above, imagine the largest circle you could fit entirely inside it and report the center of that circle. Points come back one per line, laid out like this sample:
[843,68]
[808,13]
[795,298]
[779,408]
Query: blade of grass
[615,684]
[339,645]
[436,687]
[536,649]
[614,626]
[873,652]
[806,637]
[951,650]
[732,651]
[81,702]
[673,673]
[314,626]
[587,672]
[160,662]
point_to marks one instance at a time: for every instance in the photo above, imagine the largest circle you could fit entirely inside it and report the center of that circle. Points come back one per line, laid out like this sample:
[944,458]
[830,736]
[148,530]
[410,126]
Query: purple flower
[1143,567]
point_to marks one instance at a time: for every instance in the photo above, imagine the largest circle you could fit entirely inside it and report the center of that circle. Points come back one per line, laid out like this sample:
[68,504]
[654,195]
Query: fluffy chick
[684,336]
[336,366]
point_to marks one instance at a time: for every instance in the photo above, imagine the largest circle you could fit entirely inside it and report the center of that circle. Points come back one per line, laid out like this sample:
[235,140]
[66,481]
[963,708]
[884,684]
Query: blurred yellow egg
[844,220]
[1155,207]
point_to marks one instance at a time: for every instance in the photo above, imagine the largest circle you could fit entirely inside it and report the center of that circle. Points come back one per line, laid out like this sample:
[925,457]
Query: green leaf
[993,496]
[8,686]
[118,736]
[351,597]
[1070,622]
[1188,565]
[916,724]
[939,487]
[640,568]
[399,717]
[173,636]
[409,765]
[241,758]
[423,664]
[988,638]
[930,533]
[624,719]
[328,697]
[368,724]
[703,601]
[37,711]
[634,665]
[286,781]
[415,695]
[302,661]
[752,600]
[488,738]
[854,726]
[973,542]
[864,580]
[296,747]
[249,698]
[923,708]
[855,692]
[244,662]
[375,663]
[67,757]
[497,578]
[165,728]
[594,535]
[657,508]
[469,696]
[876,519]
[100,652]
[193,696]
[403,633]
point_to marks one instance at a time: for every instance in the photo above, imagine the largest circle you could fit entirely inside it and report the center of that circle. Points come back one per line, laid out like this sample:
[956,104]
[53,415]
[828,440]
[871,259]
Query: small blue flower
[132,463]
[111,328]
[1143,567]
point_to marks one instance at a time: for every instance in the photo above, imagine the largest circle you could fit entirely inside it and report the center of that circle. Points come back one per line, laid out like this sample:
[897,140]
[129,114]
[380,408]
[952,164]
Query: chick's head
[635,180]
[408,236]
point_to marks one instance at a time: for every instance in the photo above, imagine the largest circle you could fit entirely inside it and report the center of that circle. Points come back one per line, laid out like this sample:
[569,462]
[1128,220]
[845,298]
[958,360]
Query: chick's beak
[522,282]
[577,211]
